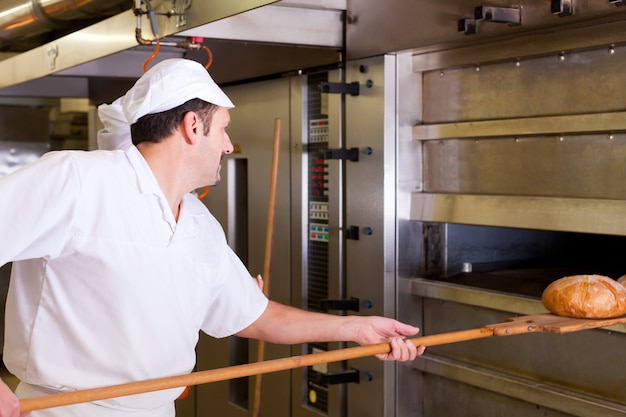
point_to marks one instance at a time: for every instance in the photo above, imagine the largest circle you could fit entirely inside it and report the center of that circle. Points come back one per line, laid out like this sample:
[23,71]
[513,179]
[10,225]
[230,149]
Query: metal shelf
[495,300]
[581,215]
[533,391]
[545,125]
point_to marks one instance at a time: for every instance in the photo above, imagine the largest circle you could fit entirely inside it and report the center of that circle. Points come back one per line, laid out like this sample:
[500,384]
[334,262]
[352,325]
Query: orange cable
[210,56]
[204,193]
[151,57]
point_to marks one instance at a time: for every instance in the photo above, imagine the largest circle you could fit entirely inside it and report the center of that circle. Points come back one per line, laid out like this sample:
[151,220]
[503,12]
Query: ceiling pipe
[23,19]
[191,44]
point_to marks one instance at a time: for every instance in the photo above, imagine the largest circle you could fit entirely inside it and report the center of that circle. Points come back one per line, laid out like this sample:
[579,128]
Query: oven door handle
[351,304]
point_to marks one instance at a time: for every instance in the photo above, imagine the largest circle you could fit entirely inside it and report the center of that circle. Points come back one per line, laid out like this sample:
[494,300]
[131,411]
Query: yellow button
[312,396]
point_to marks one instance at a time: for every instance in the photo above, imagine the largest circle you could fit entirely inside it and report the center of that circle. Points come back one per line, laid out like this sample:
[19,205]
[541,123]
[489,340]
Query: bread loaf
[585,296]
[622,280]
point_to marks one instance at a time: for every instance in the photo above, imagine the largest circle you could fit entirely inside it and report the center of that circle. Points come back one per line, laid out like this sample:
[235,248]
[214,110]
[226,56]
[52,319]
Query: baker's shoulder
[89,161]
[82,156]
[196,208]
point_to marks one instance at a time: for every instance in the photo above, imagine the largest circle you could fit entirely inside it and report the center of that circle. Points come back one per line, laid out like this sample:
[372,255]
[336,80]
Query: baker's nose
[228,146]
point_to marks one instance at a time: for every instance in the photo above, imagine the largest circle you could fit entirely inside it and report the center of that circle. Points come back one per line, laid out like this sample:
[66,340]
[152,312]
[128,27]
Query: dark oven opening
[518,261]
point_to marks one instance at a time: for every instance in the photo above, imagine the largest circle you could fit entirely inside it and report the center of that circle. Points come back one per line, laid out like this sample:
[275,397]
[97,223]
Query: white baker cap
[116,131]
[169,84]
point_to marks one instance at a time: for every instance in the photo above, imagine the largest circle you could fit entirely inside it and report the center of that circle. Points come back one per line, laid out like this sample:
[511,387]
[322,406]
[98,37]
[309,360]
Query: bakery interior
[441,162]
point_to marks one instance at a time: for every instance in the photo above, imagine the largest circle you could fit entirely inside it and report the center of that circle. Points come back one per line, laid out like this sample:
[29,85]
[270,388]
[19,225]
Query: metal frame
[540,393]
[276,23]
[545,125]
[541,213]
[110,36]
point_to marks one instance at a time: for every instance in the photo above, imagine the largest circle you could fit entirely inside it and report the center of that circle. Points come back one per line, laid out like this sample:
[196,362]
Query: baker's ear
[191,127]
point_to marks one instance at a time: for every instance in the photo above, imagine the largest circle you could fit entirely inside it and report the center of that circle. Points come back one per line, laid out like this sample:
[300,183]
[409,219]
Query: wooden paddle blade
[550,323]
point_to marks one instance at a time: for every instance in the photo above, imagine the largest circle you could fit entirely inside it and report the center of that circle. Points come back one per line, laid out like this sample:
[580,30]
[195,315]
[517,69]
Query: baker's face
[217,144]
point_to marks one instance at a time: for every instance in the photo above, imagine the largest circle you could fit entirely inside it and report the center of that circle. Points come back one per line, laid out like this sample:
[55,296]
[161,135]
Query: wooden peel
[550,323]
[518,325]
[256,409]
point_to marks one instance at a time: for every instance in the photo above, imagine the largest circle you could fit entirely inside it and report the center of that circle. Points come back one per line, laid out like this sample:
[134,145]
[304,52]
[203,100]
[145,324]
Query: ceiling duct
[25,24]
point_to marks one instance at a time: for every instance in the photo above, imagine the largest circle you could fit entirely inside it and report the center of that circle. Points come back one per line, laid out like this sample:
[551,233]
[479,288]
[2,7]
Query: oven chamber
[510,178]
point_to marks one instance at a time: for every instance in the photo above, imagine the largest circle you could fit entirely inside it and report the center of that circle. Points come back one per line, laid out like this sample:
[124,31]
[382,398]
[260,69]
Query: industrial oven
[457,184]
[520,184]
[450,197]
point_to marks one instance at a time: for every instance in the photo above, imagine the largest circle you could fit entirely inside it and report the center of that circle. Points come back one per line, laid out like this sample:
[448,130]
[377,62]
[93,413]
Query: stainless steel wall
[519,149]
[432,26]
[371,206]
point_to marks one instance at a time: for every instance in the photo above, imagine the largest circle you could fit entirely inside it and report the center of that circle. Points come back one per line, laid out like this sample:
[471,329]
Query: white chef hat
[169,84]
[116,131]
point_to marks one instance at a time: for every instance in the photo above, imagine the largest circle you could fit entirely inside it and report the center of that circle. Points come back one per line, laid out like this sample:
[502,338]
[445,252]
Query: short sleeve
[238,301]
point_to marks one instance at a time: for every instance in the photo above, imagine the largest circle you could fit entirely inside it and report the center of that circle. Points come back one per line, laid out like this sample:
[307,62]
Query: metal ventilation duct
[24,19]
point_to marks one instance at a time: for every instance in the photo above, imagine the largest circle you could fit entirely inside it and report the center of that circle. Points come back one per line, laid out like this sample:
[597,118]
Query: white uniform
[106,287]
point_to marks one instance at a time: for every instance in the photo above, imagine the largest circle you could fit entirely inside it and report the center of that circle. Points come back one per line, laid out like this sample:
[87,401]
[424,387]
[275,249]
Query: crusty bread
[622,280]
[585,296]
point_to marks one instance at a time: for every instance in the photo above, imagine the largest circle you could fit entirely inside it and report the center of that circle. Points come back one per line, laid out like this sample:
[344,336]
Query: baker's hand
[375,329]
[9,404]
[259,281]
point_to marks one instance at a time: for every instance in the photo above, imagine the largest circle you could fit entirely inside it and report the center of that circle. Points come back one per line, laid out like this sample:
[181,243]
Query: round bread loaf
[585,296]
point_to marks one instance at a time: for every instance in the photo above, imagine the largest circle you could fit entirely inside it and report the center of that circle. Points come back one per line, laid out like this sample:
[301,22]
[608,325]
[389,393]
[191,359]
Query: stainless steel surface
[315,27]
[337,285]
[607,123]
[299,229]
[508,89]
[581,166]
[107,37]
[25,19]
[519,138]
[561,367]
[496,300]
[286,37]
[568,157]
[476,297]
[255,44]
[427,26]
[525,395]
[542,213]
[370,203]
[548,41]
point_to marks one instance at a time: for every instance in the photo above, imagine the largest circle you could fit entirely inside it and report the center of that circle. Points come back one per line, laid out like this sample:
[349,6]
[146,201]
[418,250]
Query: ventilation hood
[247,39]
[27,24]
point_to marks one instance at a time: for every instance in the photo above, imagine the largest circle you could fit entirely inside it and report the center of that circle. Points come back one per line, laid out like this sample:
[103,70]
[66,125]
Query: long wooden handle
[232,372]
[269,233]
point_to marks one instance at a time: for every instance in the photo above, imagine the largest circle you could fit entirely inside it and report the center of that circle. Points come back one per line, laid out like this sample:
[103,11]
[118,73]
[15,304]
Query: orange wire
[210,56]
[204,193]
[151,57]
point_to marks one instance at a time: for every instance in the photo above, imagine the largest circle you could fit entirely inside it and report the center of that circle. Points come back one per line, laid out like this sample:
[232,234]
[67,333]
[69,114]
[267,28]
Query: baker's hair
[158,126]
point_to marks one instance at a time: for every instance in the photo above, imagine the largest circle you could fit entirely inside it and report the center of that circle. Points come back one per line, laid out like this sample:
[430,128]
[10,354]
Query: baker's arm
[9,404]
[38,207]
[289,325]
